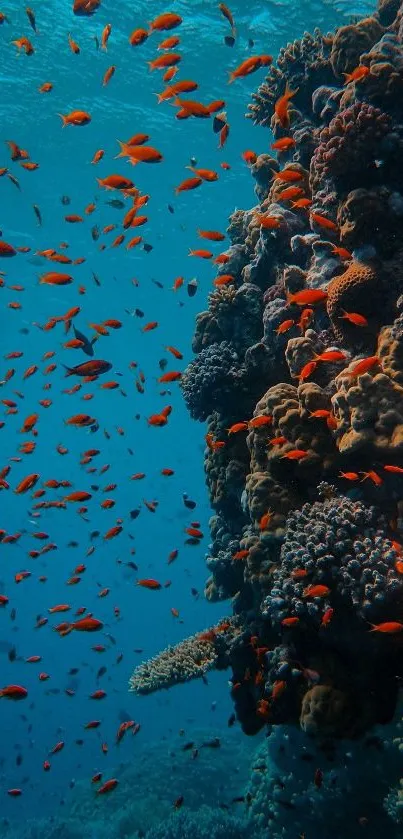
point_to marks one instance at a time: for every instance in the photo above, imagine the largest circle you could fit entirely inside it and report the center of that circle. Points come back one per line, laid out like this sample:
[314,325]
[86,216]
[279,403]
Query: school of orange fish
[40,492]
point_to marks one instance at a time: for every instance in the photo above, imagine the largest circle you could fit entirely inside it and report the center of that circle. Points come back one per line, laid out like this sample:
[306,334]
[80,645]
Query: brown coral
[351,41]
[359,290]
[325,712]
[390,351]
[367,217]
[369,411]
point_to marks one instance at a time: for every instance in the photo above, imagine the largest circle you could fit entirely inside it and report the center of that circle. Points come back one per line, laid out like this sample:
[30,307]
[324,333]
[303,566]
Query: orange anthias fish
[357,75]
[75,118]
[355,318]
[149,583]
[308,296]
[389,627]
[284,144]
[167,20]
[282,107]
[250,65]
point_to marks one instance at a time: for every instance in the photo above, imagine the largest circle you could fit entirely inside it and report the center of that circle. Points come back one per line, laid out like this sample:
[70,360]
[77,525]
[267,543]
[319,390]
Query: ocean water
[153,769]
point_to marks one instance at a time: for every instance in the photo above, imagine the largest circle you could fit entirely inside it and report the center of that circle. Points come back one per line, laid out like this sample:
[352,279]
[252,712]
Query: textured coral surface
[298,371]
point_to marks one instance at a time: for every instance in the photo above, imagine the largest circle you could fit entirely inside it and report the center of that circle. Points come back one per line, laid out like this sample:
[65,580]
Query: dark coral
[349,148]
[351,41]
[307,516]
[303,62]
[361,288]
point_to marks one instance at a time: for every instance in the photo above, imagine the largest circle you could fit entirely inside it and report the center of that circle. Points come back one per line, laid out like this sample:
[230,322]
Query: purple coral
[341,545]
[349,148]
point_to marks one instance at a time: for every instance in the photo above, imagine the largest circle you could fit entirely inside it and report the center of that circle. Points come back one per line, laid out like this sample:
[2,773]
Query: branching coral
[190,659]
[304,62]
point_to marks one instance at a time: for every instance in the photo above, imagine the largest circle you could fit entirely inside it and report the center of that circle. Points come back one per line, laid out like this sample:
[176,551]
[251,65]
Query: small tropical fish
[357,75]
[149,583]
[316,591]
[282,107]
[389,627]
[354,318]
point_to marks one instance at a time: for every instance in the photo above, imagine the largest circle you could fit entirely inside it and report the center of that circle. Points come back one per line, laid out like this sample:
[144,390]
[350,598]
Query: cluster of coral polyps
[306,342]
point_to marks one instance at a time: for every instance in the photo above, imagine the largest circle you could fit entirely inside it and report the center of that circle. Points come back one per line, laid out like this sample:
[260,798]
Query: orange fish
[308,296]
[365,365]
[73,45]
[108,75]
[75,118]
[295,454]
[372,476]
[360,73]
[166,60]
[389,627]
[288,175]
[354,318]
[316,591]
[168,20]
[105,36]
[139,153]
[46,87]
[324,222]
[248,66]
[188,183]
[173,376]
[284,144]
[138,37]
[282,107]
[149,583]
[27,483]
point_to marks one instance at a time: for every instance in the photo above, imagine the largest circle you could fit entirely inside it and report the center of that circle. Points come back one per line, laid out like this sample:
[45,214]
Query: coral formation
[190,659]
[299,374]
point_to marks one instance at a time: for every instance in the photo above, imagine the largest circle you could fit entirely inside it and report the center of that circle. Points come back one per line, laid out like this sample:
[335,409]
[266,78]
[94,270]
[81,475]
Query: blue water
[30,729]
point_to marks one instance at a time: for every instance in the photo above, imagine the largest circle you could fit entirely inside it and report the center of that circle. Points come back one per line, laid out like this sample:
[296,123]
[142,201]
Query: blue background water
[127,105]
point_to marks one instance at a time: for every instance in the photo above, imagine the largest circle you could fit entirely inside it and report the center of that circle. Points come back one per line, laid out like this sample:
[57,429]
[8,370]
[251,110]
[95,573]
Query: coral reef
[299,374]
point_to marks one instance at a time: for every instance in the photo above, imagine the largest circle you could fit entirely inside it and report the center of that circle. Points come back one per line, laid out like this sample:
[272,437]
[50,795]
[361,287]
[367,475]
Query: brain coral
[341,546]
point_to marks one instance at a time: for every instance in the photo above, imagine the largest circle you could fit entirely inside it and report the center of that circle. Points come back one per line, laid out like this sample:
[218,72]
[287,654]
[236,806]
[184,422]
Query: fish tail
[64,119]
[69,371]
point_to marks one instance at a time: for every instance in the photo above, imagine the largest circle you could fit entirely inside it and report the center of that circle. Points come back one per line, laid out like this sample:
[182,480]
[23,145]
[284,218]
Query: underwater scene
[201,419]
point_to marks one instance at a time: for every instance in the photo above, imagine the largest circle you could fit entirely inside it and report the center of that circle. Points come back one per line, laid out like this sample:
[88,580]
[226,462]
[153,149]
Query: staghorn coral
[190,659]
